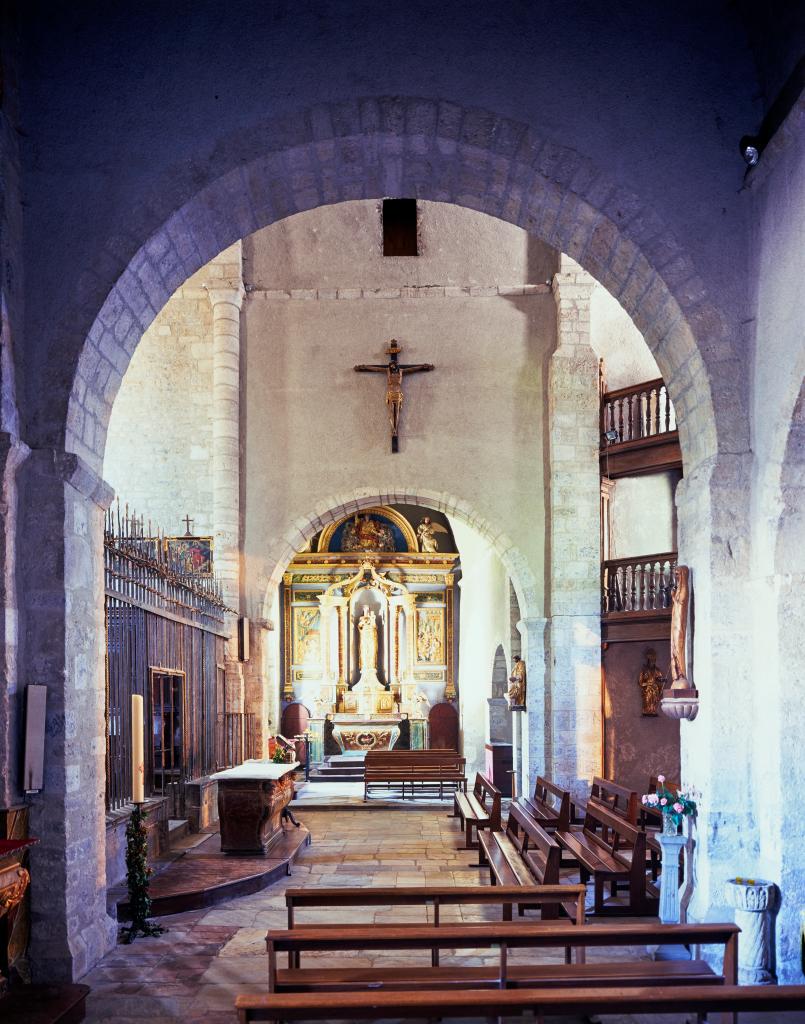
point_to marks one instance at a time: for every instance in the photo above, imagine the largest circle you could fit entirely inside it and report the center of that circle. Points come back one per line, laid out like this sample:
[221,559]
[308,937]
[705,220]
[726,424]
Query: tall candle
[137,763]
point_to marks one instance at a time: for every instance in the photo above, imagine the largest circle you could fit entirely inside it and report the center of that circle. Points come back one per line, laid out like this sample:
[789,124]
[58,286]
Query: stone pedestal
[755,902]
[669,912]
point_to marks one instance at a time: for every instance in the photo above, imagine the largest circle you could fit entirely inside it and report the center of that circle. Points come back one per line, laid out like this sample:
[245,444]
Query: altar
[368,641]
[251,799]
[359,733]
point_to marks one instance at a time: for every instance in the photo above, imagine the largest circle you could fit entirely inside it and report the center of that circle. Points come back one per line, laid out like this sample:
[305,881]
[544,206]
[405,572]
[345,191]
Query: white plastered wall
[483,626]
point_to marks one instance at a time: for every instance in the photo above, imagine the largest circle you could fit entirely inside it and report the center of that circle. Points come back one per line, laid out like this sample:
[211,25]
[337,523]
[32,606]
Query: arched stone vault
[434,150]
[335,507]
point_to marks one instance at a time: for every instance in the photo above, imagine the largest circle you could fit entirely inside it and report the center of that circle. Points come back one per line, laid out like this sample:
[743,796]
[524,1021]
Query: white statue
[368,649]
[426,532]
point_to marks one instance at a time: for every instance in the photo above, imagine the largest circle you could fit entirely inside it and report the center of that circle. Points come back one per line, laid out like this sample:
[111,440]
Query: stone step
[178,828]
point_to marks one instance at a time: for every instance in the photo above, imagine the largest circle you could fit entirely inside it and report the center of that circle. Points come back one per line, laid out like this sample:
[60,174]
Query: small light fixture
[749,150]
[611,436]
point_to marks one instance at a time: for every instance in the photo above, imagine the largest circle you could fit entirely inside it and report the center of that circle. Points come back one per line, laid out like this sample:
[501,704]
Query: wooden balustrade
[637,585]
[637,412]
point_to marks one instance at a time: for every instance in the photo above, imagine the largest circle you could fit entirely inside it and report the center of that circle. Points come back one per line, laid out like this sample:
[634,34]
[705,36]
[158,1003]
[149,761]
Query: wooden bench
[541,1002]
[435,897]
[609,849]
[499,937]
[427,769]
[477,810]
[549,806]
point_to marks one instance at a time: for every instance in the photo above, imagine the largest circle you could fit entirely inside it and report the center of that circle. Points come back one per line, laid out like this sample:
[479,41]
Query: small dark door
[295,720]
[443,727]
[167,738]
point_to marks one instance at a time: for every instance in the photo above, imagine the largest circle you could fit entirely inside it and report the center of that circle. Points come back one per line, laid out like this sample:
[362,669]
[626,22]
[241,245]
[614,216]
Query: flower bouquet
[673,806]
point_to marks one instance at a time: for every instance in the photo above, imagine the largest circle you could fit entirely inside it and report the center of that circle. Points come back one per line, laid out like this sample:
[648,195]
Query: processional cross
[394,372]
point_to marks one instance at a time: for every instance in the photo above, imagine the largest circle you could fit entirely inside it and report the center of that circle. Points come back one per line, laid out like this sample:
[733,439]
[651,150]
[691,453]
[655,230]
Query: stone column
[62,647]
[754,902]
[574,741]
[531,759]
[670,909]
[226,303]
[13,454]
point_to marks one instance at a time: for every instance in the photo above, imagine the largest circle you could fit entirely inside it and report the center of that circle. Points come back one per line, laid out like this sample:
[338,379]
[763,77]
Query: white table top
[260,770]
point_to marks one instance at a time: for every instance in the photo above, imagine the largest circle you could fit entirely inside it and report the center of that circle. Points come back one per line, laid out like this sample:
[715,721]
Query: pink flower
[653,799]
[678,808]
[663,802]
[660,778]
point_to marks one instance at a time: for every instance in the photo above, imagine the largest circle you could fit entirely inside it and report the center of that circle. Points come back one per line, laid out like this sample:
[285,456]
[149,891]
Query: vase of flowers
[673,806]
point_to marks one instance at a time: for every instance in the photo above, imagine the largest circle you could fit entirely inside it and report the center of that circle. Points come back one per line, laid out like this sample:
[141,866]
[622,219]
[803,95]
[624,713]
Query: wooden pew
[541,1002]
[548,897]
[479,809]
[619,799]
[423,768]
[501,937]
[610,850]
[549,806]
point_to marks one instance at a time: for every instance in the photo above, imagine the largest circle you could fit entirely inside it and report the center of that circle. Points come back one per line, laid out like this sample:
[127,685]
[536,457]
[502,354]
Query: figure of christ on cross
[394,372]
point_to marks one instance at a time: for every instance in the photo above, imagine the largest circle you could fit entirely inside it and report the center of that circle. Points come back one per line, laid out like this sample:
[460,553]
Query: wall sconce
[611,436]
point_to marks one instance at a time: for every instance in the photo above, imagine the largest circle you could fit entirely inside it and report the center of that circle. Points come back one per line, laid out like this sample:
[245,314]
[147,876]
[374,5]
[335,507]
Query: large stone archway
[360,149]
[433,150]
[528,590]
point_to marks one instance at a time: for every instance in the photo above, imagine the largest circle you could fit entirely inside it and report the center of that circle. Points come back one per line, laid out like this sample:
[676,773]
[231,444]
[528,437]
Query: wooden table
[251,799]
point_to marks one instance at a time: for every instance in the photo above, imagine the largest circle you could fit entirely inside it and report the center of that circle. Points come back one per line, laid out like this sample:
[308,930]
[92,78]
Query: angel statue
[426,534]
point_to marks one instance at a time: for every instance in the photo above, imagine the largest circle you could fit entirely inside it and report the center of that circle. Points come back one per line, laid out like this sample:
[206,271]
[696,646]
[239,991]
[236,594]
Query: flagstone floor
[193,972]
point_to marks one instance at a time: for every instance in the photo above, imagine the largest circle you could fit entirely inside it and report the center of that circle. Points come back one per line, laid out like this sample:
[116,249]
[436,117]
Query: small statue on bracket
[651,683]
[516,690]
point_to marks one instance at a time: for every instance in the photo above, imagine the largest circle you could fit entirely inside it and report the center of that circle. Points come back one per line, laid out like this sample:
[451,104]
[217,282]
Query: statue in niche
[367,625]
[366,533]
[516,690]
[680,599]
[651,683]
[426,534]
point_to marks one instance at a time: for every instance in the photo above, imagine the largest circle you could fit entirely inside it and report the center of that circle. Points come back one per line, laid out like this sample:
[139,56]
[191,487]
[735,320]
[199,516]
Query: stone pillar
[13,454]
[226,303]
[63,647]
[574,741]
[754,902]
[531,760]
[670,909]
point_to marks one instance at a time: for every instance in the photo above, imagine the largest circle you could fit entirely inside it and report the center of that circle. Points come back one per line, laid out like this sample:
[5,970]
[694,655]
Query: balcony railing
[636,413]
[637,585]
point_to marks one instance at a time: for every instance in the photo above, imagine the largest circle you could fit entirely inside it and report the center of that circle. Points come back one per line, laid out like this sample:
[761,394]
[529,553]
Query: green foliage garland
[137,879]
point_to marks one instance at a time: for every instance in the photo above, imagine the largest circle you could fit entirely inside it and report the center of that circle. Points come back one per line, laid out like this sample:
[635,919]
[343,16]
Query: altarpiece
[368,629]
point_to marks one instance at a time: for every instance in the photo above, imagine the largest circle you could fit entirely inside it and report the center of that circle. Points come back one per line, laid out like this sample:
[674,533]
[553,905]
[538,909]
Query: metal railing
[637,584]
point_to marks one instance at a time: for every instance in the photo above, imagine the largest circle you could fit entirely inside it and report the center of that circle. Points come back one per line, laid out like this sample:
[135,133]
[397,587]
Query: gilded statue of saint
[680,597]
[426,534]
[368,648]
[516,690]
[651,682]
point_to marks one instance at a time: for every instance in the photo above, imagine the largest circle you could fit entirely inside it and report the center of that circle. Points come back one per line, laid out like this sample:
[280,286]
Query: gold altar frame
[387,513]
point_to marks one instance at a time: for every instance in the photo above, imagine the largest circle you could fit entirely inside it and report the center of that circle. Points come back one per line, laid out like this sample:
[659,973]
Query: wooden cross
[394,372]
[188,523]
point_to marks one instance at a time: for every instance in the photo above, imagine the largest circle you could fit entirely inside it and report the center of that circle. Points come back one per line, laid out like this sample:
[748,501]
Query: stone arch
[790,543]
[434,150]
[336,507]
[500,673]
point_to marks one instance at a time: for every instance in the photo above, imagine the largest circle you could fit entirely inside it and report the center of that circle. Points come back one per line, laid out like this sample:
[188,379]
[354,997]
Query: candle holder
[138,876]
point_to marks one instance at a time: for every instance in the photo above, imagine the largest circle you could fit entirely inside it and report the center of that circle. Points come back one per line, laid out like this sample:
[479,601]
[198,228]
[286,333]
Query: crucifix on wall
[394,372]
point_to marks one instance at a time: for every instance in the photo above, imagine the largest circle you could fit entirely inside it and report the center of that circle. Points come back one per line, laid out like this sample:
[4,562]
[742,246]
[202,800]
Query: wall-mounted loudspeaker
[34,753]
[243,639]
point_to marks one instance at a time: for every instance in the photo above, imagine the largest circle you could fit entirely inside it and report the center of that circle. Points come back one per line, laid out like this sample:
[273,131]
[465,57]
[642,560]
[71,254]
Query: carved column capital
[231,294]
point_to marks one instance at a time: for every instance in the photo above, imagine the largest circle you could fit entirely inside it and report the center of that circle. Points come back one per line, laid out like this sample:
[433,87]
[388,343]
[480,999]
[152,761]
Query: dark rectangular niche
[399,227]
